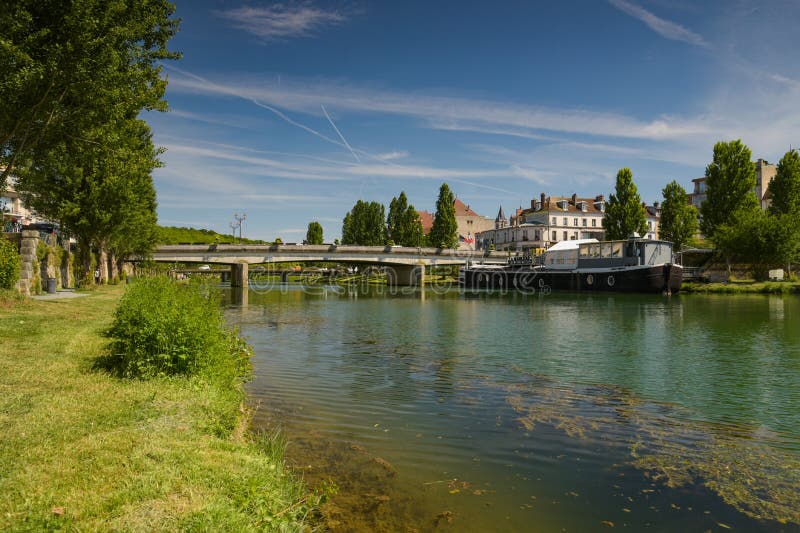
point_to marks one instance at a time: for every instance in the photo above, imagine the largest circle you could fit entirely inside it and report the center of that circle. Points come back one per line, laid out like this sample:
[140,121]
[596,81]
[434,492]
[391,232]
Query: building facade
[469,224]
[15,215]
[549,220]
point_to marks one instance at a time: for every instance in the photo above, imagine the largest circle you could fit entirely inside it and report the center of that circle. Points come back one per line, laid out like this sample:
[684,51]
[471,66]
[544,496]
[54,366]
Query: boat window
[594,250]
[616,250]
[583,251]
[605,250]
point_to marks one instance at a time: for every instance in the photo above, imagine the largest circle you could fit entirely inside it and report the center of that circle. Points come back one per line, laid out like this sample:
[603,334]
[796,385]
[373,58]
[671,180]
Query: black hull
[655,279]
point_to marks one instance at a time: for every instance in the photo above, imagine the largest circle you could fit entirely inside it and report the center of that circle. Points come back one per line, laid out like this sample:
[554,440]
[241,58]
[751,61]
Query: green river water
[565,412]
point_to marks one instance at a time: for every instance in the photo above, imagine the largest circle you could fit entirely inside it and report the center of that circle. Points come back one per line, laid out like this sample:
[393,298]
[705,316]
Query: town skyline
[293,112]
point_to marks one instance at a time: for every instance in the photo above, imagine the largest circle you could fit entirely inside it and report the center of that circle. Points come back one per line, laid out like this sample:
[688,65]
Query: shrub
[9,264]
[165,328]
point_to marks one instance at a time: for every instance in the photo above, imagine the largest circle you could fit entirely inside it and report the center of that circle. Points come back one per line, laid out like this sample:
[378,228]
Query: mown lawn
[81,449]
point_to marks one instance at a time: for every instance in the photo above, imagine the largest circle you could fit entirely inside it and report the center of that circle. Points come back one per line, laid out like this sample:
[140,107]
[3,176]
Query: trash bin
[51,285]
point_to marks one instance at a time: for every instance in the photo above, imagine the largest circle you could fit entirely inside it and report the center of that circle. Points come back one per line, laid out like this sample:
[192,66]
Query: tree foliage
[785,187]
[403,222]
[624,212]
[365,224]
[678,222]
[314,233]
[100,191]
[444,233]
[9,264]
[730,179]
[761,239]
[71,67]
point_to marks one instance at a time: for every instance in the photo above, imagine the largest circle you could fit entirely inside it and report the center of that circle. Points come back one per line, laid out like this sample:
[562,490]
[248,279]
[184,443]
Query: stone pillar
[239,273]
[408,275]
[30,263]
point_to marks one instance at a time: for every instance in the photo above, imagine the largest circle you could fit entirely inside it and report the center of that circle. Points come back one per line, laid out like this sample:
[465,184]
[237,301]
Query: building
[468,221]
[15,214]
[549,220]
[553,219]
[765,173]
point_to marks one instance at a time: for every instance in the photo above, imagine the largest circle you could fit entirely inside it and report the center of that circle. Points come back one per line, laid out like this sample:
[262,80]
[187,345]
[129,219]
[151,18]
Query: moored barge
[635,265]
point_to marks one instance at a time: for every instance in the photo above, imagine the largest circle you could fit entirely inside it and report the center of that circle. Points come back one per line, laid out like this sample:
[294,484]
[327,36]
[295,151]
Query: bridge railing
[312,249]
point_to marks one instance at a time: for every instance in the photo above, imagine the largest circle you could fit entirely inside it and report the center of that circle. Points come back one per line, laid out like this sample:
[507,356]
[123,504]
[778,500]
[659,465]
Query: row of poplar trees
[367,224]
[731,217]
[76,76]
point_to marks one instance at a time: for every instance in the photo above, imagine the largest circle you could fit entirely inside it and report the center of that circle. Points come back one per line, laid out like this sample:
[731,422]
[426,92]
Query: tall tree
[98,189]
[365,224]
[70,67]
[678,222]
[314,233]
[394,220]
[624,212]
[403,222]
[785,187]
[730,180]
[444,233]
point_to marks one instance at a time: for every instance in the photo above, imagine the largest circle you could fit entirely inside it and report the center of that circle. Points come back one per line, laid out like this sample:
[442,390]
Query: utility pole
[238,224]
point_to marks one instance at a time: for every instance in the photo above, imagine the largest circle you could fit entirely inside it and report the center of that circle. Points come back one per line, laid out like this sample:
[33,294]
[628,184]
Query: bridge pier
[239,274]
[408,275]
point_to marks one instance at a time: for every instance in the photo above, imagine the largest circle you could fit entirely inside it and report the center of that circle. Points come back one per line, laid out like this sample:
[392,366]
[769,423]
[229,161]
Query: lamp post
[238,224]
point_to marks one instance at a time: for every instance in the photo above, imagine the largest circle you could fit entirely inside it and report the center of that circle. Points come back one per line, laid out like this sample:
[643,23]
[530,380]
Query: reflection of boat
[635,265]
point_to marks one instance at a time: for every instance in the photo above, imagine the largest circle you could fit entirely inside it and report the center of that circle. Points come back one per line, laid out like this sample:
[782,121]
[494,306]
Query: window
[575,221]
[594,222]
[555,222]
[584,222]
[566,221]
[537,235]
[565,236]
[554,236]
[650,224]
[524,235]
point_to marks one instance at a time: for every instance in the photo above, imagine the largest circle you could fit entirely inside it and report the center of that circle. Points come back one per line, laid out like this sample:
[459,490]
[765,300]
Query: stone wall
[30,281]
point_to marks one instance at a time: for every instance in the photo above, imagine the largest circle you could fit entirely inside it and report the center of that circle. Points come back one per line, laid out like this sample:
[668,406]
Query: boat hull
[649,279]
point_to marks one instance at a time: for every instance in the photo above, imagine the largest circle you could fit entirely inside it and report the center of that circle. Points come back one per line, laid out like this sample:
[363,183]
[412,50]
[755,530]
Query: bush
[165,328]
[9,264]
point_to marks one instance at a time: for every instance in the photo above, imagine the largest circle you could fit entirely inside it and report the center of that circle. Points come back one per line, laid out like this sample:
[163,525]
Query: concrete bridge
[406,265]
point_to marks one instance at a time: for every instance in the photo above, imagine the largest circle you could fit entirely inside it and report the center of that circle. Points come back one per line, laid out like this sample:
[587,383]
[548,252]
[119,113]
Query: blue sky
[291,112]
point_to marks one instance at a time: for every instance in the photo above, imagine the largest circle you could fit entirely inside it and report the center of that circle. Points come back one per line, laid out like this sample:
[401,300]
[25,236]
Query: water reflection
[568,411]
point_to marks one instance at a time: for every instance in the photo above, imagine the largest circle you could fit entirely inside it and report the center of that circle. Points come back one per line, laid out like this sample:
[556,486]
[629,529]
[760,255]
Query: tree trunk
[102,263]
[112,267]
[85,253]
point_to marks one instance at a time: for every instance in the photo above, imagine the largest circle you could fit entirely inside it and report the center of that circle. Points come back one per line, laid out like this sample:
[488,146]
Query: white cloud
[663,27]
[444,112]
[281,21]
[389,156]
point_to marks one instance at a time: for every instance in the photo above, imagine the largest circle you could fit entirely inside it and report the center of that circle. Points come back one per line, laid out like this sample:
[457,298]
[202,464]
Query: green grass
[81,449]
[743,287]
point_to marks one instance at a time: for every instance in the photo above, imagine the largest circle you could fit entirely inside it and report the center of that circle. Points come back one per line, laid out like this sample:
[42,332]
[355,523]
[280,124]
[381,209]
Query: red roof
[427,221]
[463,210]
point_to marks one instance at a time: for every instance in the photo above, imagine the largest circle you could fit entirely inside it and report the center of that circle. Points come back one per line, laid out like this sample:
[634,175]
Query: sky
[291,112]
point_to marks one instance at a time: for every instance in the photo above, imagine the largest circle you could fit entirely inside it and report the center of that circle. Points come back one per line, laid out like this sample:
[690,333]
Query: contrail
[339,132]
[297,124]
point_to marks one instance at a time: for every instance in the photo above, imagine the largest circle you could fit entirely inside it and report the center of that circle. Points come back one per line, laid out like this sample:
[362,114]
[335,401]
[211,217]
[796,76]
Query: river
[445,411]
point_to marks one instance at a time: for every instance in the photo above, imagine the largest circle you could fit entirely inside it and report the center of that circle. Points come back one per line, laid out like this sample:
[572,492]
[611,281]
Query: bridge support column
[408,275]
[239,272]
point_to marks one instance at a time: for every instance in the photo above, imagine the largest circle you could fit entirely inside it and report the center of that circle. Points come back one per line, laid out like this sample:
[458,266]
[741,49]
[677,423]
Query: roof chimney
[574,198]
[543,199]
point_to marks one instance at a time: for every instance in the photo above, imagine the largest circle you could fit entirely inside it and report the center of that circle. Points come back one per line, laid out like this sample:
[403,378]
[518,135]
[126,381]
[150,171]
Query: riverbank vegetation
[743,287]
[82,448]
[78,76]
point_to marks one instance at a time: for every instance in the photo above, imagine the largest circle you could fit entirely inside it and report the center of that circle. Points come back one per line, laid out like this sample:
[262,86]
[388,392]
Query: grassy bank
[82,449]
[743,287]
